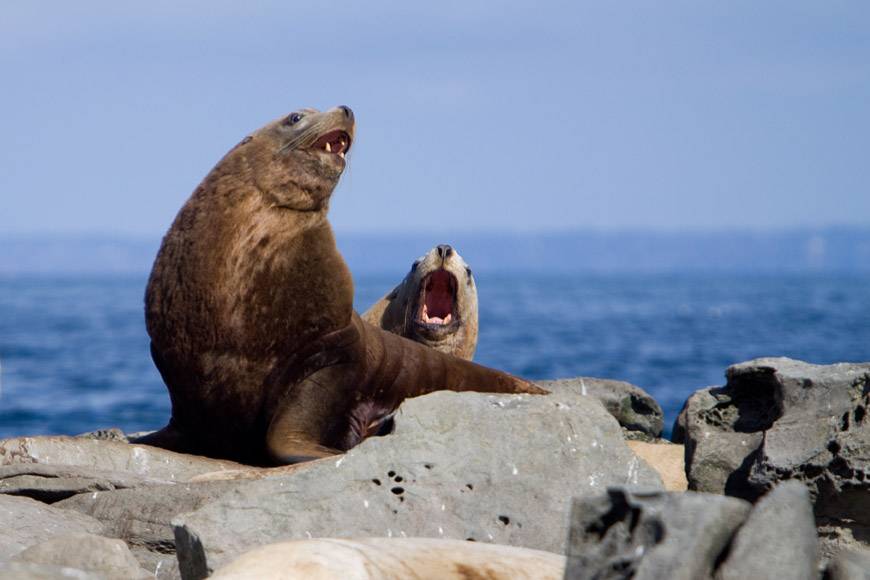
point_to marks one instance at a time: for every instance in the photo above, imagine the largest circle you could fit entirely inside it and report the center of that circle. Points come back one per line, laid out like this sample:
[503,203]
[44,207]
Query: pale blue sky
[471,115]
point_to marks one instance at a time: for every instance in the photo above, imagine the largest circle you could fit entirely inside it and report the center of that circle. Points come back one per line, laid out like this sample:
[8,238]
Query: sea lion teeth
[328,147]
[447,318]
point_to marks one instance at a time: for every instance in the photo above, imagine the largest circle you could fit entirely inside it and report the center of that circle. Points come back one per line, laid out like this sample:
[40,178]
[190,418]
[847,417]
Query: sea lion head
[444,306]
[296,160]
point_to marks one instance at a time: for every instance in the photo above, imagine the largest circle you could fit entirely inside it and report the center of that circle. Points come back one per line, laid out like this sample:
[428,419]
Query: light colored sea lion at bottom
[392,559]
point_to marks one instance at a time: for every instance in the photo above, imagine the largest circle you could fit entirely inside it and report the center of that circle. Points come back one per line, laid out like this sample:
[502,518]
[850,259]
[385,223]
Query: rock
[111,434]
[142,516]
[86,552]
[25,522]
[51,483]
[780,419]
[109,456]
[850,564]
[18,571]
[650,535]
[631,406]
[666,458]
[777,540]
[493,468]
[393,559]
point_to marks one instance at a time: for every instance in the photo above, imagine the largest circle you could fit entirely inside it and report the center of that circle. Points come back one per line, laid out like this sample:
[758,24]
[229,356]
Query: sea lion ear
[246,140]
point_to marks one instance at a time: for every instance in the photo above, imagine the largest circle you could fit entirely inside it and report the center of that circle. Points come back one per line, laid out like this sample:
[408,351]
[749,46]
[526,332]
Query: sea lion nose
[444,251]
[347,112]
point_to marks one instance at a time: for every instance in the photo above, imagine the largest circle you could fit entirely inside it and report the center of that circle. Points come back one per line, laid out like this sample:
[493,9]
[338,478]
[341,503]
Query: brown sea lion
[250,311]
[436,304]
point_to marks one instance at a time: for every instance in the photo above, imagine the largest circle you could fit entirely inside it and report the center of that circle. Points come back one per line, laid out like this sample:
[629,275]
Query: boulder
[86,552]
[779,419]
[25,522]
[777,540]
[647,535]
[466,466]
[393,559]
[631,406]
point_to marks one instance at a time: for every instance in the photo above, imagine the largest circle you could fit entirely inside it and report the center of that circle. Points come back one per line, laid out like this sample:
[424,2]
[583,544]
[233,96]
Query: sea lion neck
[296,161]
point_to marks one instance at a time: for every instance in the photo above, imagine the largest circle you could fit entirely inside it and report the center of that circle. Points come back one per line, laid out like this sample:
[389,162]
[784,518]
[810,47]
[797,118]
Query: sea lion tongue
[440,297]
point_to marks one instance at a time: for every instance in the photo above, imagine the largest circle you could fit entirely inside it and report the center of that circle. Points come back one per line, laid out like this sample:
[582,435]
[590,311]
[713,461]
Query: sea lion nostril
[347,112]
[444,251]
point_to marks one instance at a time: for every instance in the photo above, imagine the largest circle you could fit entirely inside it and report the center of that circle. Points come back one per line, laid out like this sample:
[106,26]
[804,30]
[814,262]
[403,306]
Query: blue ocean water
[74,351]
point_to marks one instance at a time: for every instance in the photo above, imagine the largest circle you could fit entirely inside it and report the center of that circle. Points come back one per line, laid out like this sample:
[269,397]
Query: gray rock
[19,571]
[851,564]
[141,517]
[636,535]
[87,552]
[109,456]
[25,522]
[777,540]
[492,468]
[631,406]
[51,483]
[780,419]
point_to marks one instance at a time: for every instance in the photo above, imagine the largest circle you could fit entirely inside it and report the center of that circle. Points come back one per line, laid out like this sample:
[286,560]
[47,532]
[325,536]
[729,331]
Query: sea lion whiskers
[314,137]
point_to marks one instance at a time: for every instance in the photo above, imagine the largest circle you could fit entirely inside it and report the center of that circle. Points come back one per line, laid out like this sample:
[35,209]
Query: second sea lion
[435,304]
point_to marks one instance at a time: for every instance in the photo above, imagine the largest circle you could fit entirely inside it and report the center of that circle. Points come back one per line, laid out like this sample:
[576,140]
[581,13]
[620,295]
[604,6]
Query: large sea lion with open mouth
[435,304]
[250,311]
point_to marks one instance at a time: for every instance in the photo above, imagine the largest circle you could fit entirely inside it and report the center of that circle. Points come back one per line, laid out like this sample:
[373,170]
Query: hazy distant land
[831,249]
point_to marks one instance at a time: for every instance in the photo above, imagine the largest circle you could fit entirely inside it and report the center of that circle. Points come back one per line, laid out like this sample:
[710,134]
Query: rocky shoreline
[767,477]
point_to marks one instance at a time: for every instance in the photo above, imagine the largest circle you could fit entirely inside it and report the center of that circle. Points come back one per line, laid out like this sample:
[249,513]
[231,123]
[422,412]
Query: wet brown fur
[250,312]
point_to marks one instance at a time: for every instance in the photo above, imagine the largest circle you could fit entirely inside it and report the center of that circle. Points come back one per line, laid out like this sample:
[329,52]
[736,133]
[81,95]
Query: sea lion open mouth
[438,299]
[336,142]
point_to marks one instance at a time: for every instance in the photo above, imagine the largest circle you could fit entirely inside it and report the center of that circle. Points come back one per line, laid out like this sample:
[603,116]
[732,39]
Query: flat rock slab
[393,559]
[492,468]
[50,483]
[25,522]
[109,456]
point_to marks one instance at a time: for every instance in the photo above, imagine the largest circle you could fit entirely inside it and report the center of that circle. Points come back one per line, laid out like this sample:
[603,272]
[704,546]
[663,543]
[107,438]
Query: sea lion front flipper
[171,438]
[302,423]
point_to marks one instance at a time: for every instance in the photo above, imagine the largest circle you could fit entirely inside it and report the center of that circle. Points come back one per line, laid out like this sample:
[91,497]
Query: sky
[472,115]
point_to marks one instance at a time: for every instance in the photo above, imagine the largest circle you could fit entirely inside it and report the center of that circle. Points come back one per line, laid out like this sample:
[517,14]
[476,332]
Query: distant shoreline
[831,249]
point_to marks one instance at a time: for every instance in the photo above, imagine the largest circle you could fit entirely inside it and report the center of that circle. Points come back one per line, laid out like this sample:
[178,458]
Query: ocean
[74,353]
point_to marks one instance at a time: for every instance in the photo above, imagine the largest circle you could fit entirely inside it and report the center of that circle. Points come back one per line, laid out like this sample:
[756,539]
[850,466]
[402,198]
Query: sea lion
[435,305]
[250,311]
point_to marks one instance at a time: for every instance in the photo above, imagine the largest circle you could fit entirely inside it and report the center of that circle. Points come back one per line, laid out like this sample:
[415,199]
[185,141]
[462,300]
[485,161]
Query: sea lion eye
[468,271]
[293,119]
